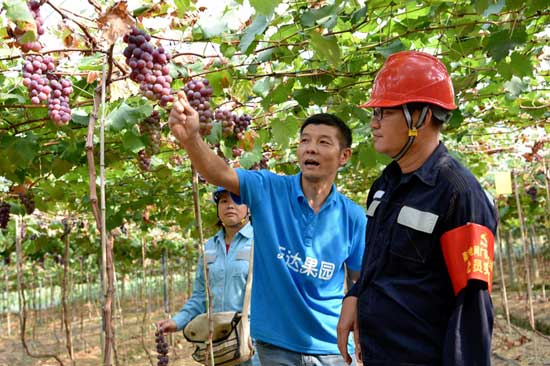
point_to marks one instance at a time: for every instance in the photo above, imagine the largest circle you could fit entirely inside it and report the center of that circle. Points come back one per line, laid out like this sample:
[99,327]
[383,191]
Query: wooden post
[67,316]
[502,281]
[164,282]
[526,254]
[534,253]
[144,301]
[198,222]
[7,302]
[510,258]
[546,170]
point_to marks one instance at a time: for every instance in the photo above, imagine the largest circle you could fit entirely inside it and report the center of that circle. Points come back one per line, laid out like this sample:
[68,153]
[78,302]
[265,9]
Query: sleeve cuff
[352,291]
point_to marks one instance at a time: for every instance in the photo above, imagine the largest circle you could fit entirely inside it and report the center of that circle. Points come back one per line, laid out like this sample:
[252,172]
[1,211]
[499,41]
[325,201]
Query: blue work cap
[217,193]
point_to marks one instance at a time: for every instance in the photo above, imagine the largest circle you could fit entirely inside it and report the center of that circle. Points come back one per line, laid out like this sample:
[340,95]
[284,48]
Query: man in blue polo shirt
[305,232]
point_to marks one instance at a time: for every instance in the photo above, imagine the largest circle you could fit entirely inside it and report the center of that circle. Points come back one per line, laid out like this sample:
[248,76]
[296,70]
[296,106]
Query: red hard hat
[409,77]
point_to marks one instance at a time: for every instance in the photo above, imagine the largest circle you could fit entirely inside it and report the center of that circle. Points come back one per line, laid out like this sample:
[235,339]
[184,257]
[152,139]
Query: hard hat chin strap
[413,130]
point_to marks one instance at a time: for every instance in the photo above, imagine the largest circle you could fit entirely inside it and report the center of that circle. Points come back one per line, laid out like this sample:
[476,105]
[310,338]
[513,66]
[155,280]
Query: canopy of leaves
[280,63]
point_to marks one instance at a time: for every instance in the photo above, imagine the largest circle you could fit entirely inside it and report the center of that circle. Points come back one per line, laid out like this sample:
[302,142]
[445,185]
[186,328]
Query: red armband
[469,253]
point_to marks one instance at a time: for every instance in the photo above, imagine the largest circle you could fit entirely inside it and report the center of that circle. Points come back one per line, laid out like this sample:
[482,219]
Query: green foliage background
[289,60]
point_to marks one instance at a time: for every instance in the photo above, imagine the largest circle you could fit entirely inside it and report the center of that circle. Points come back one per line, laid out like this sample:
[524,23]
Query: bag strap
[248,290]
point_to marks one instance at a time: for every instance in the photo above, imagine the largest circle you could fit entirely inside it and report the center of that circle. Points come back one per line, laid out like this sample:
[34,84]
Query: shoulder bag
[232,343]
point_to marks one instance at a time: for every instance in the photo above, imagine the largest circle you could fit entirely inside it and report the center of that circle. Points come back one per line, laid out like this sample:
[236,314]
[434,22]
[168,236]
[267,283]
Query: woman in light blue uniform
[227,254]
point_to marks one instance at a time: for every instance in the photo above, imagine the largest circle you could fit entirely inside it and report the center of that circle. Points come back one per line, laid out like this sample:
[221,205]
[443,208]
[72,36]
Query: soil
[512,346]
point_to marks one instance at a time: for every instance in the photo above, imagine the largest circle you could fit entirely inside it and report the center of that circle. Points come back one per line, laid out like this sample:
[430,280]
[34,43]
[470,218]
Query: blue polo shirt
[299,261]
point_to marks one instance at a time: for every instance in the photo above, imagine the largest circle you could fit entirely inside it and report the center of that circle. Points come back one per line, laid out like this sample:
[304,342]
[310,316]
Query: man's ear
[427,120]
[345,155]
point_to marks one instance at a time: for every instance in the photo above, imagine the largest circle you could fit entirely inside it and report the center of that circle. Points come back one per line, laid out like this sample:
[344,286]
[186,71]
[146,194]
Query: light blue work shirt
[299,260]
[227,273]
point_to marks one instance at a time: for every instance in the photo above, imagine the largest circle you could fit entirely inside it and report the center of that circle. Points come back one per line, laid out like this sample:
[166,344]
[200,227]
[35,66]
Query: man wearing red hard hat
[423,297]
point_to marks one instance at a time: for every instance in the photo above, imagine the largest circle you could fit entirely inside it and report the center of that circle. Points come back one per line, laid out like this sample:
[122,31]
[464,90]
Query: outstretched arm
[184,124]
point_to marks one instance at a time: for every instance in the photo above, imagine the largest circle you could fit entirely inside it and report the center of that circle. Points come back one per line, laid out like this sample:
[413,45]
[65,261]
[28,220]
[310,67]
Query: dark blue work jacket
[407,311]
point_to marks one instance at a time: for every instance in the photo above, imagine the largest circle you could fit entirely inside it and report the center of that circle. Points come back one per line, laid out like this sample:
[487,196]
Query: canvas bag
[232,343]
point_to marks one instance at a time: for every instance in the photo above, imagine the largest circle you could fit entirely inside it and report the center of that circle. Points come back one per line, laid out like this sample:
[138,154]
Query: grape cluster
[34,7]
[36,70]
[236,152]
[241,124]
[162,348]
[58,259]
[144,160]
[176,160]
[149,66]
[4,214]
[58,103]
[43,85]
[532,192]
[198,94]
[150,128]
[28,201]
[262,164]
[227,120]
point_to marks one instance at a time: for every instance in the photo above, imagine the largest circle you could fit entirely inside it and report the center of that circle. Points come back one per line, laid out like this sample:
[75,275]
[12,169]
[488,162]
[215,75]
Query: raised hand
[183,120]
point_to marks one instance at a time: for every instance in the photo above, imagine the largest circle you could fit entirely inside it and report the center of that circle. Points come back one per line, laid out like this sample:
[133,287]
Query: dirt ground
[511,346]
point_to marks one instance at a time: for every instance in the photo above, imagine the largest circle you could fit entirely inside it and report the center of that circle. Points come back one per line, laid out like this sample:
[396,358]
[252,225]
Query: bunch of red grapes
[227,120]
[28,201]
[34,7]
[262,164]
[144,160]
[241,124]
[198,94]
[236,152]
[149,66]
[35,77]
[150,128]
[58,103]
[43,84]
[4,214]
[532,193]
[162,348]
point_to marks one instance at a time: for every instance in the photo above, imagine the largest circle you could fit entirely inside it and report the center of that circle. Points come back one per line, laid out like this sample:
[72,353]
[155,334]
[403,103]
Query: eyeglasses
[378,113]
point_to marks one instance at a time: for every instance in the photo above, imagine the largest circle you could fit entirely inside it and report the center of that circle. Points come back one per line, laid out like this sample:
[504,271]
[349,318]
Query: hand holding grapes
[183,120]
[167,326]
